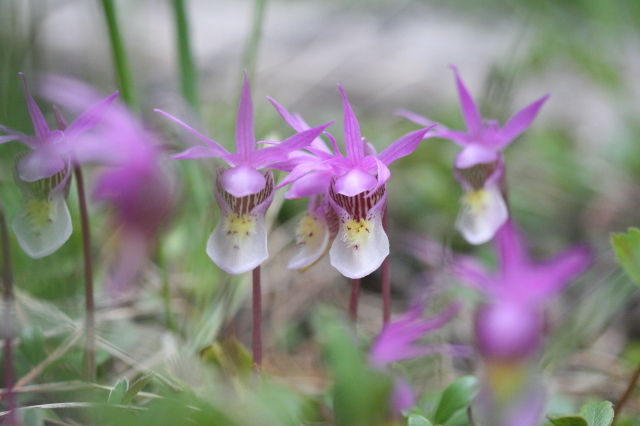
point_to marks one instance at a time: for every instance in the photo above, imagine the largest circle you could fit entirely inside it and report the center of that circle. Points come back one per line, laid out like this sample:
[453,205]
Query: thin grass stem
[7,301]
[188,75]
[250,59]
[89,358]
[119,55]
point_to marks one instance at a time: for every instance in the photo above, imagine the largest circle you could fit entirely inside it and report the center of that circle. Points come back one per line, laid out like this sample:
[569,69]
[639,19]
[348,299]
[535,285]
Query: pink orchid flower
[239,240]
[479,167]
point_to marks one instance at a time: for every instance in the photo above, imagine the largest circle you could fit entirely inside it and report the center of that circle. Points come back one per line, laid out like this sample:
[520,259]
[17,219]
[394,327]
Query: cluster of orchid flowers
[347,201]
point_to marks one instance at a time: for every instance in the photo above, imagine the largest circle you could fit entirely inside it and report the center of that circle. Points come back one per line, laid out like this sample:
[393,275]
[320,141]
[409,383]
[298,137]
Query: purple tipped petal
[196,153]
[39,123]
[558,272]
[354,182]
[89,118]
[242,180]
[416,118]
[60,121]
[401,396]
[245,139]
[303,169]
[512,252]
[403,146]
[267,156]
[40,163]
[470,111]
[295,122]
[209,142]
[454,136]
[352,137]
[475,154]
[303,139]
[519,122]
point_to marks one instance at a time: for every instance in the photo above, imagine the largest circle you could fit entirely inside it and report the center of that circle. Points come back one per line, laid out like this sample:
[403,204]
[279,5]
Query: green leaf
[418,420]
[136,387]
[455,397]
[568,420]
[627,248]
[118,391]
[360,394]
[598,413]
[32,345]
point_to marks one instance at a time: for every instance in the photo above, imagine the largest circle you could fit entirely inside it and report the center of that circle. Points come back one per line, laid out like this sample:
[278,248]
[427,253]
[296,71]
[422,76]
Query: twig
[626,395]
[257,320]
[353,301]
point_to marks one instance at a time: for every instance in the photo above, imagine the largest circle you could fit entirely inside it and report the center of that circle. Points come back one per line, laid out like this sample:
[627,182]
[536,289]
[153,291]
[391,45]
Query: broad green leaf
[568,420]
[598,413]
[118,391]
[136,387]
[360,394]
[418,420]
[627,248]
[455,397]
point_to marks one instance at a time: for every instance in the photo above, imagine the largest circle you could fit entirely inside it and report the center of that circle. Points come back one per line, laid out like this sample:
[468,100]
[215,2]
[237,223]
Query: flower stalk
[386,278]
[353,301]
[257,320]
[188,76]
[89,358]
[627,394]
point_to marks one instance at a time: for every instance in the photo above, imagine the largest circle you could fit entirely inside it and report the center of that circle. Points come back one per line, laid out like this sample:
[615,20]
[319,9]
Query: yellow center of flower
[239,227]
[307,230]
[356,232]
[40,212]
[476,201]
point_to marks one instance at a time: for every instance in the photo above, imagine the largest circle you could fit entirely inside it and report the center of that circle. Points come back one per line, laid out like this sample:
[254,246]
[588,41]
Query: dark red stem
[257,319]
[89,358]
[627,394]
[353,302]
[386,278]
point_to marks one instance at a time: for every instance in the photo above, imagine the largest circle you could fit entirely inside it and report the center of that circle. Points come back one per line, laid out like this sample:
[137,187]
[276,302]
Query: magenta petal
[267,156]
[245,139]
[196,153]
[403,146]
[475,154]
[295,122]
[470,111]
[352,137]
[242,180]
[89,118]
[519,122]
[39,123]
[454,136]
[303,169]
[354,182]
[304,138]
[309,185]
[416,118]
[511,249]
[557,272]
[210,143]
[39,164]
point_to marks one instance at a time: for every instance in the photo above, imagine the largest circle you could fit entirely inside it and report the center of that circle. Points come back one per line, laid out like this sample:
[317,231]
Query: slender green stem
[250,58]
[119,55]
[353,301]
[188,75]
[627,394]
[386,278]
[7,301]
[257,320]
[166,288]
[89,359]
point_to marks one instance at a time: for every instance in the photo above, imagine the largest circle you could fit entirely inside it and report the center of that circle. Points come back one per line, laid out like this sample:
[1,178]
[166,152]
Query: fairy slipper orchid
[244,193]
[479,167]
[355,188]
[43,223]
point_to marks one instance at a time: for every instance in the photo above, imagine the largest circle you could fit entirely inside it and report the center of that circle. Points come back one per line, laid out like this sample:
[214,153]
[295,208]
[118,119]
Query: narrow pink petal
[475,154]
[454,136]
[245,138]
[472,273]
[309,185]
[267,156]
[196,153]
[295,122]
[512,250]
[304,169]
[519,122]
[60,121]
[470,111]
[304,138]
[242,180]
[210,143]
[557,273]
[416,118]
[39,123]
[403,146]
[40,163]
[354,182]
[383,174]
[352,137]
[89,118]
